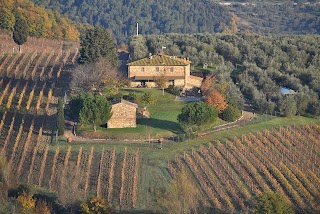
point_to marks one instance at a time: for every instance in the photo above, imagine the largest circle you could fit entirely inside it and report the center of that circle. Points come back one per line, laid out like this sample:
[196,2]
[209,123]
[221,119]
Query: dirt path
[246,116]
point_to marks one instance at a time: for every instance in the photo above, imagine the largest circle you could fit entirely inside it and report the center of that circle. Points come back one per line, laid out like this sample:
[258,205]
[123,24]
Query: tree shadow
[161,124]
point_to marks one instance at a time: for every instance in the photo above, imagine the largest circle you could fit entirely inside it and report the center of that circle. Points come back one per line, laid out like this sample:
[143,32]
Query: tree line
[258,65]
[153,16]
[41,23]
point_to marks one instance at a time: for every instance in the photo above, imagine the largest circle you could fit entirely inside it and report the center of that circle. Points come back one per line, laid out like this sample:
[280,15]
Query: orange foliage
[208,84]
[215,98]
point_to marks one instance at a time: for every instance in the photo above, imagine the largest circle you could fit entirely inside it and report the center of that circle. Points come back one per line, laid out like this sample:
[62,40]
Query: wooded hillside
[42,23]
[153,16]
[177,16]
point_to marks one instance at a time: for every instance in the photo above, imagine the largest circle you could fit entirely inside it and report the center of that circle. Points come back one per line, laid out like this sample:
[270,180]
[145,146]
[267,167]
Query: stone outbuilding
[124,115]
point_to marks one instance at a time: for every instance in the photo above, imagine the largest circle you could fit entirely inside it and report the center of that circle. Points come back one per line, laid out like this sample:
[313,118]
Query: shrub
[197,113]
[272,203]
[173,90]
[231,113]
[148,98]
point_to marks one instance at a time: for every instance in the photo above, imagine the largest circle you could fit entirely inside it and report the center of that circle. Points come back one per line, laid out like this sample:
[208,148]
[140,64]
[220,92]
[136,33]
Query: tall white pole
[137,29]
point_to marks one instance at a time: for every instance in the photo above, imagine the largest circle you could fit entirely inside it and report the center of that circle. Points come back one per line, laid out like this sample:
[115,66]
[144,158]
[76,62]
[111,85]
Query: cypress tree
[20,31]
[60,118]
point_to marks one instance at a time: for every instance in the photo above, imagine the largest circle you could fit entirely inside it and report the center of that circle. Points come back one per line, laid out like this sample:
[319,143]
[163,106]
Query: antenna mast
[137,29]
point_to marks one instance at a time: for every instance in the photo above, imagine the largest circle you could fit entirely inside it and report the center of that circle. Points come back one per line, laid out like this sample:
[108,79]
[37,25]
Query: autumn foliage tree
[96,205]
[215,99]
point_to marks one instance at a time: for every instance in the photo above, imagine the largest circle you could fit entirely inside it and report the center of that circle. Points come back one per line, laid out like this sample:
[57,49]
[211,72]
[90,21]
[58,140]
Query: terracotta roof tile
[160,60]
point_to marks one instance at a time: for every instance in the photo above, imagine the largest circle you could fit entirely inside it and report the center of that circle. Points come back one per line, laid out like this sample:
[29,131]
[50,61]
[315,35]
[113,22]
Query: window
[142,69]
[171,69]
[157,69]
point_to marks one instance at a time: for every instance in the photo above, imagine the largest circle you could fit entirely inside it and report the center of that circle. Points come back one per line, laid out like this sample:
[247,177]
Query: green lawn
[162,122]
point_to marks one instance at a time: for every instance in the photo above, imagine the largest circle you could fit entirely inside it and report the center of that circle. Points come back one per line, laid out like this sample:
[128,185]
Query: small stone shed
[124,115]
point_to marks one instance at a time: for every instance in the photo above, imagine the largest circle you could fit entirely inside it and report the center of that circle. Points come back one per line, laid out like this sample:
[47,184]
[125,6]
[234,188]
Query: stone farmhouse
[142,72]
[123,115]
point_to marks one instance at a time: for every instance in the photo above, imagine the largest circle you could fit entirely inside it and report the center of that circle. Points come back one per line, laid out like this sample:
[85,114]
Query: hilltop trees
[41,23]
[7,19]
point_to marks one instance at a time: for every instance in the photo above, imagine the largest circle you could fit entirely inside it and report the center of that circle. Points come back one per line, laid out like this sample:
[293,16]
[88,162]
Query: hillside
[229,174]
[157,17]
[42,23]
[154,17]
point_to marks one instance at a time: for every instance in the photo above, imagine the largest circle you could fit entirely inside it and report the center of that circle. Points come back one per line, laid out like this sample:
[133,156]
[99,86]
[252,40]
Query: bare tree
[91,77]
[161,80]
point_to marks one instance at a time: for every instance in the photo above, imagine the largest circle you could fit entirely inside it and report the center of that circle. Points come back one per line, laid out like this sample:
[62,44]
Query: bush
[173,90]
[130,97]
[272,203]
[230,114]
[197,113]
[148,98]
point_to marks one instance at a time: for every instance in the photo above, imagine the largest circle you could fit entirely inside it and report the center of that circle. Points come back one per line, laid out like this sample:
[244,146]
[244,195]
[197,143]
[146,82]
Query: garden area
[163,109]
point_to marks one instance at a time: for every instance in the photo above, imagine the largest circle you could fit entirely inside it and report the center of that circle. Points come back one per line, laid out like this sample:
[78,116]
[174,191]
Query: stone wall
[194,81]
[150,71]
[123,116]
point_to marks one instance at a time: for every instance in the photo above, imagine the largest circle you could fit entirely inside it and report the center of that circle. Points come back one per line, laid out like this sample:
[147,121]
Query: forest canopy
[193,16]
[42,23]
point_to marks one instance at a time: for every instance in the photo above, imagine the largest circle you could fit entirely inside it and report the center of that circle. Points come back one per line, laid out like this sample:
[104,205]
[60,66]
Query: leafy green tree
[60,118]
[288,106]
[138,47]
[20,31]
[272,203]
[197,113]
[96,205]
[96,110]
[97,43]
[231,113]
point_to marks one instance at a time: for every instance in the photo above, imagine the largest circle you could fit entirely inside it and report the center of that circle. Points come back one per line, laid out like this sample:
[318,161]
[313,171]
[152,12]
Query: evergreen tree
[20,31]
[60,118]
[96,110]
[197,113]
[97,43]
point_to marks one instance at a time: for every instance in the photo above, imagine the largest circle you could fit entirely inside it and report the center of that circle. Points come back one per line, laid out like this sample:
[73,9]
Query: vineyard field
[231,174]
[30,86]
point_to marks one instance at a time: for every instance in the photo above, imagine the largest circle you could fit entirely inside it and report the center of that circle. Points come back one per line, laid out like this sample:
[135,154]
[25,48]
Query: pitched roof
[160,60]
[126,102]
